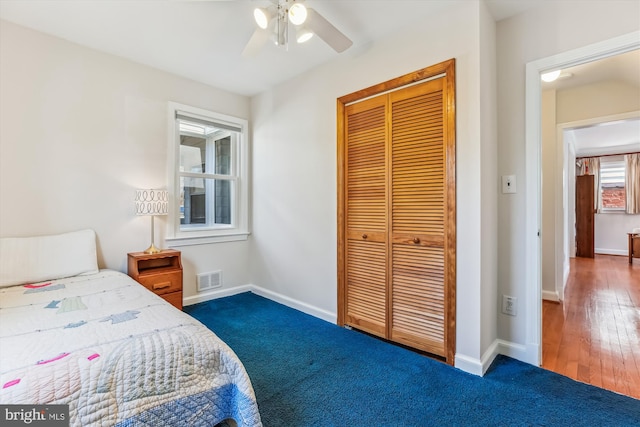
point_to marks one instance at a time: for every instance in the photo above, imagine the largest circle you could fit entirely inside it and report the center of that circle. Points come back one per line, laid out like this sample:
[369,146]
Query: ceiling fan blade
[327,32]
[258,39]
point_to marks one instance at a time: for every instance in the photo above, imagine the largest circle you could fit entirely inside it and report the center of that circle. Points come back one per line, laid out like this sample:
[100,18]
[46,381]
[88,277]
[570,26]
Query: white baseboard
[284,300]
[550,295]
[298,305]
[220,293]
[476,366]
[479,367]
[525,353]
[604,251]
[468,364]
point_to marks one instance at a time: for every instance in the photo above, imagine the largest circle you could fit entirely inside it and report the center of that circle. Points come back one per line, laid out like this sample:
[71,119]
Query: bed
[98,341]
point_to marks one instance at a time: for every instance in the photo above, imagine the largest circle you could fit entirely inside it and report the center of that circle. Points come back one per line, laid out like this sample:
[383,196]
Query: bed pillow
[36,259]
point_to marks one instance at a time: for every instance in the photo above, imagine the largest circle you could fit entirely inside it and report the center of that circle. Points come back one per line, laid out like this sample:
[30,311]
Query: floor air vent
[206,281]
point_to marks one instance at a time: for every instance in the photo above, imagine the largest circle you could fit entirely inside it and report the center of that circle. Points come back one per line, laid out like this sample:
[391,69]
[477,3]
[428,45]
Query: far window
[208,175]
[612,177]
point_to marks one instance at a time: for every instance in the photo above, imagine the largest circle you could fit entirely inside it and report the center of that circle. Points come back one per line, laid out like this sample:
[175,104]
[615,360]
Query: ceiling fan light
[262,17]
[303,35]
[550,76]
[297,14]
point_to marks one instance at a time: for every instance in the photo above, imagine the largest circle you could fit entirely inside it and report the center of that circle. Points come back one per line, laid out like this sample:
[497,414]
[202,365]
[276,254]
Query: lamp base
[152,249]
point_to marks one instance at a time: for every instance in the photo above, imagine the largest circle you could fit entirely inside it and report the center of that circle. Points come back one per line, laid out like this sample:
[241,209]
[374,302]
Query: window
[612,176]
[207,176]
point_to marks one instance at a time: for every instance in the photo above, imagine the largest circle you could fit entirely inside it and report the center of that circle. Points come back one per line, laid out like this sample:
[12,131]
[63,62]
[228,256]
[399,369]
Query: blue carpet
[308,372]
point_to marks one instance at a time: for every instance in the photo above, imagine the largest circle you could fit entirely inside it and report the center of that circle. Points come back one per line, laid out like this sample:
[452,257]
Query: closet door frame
[444,69]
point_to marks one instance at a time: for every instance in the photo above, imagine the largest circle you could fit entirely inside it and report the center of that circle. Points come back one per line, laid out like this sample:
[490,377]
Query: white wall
[611,232]
[570,215]
[600,99]
[294,181]
[80,130]
[558,27]
[489,186]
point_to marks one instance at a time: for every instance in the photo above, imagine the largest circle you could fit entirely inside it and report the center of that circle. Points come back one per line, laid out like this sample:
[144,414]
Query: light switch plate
[508,184]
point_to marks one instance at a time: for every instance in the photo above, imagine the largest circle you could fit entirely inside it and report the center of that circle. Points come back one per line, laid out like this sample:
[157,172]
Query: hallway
[593,336]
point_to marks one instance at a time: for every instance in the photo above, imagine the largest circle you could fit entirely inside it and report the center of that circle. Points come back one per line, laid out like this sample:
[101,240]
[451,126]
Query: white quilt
[118,355]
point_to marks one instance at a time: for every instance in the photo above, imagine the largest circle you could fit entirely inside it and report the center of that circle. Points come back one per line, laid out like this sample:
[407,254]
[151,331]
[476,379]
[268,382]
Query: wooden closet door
[396,210]
[366,233]
[585,221]
[418,221]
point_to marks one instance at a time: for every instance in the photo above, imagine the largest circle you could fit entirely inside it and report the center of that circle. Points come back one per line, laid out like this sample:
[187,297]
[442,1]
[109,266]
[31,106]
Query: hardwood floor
[593,336]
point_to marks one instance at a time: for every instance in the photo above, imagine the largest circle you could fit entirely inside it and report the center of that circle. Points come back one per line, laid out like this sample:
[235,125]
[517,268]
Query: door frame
[533,123]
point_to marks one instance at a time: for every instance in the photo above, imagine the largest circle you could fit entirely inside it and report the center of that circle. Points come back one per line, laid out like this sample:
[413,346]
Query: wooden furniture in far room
[585,221]
[161,273]
[634,246]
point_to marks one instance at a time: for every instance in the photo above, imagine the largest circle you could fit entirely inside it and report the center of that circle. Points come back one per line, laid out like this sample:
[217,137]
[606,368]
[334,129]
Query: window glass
[210,165]
[612,177]
[205,163]
[204,202]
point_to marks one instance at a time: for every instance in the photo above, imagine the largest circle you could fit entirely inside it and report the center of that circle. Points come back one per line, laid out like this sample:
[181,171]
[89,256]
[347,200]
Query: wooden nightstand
[161,273]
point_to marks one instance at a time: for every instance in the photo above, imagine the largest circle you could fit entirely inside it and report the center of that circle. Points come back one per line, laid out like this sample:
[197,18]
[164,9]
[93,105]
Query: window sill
[236,236]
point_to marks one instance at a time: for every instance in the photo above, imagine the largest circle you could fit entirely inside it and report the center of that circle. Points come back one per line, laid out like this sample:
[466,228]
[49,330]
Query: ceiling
[203,39]
[619,136]
[622,136]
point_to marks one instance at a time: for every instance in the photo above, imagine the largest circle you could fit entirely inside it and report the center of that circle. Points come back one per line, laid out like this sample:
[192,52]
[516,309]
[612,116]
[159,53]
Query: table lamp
[152,203]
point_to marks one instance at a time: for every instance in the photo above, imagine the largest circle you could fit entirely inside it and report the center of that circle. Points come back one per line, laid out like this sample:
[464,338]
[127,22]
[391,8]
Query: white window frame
[239,227]
[606,164]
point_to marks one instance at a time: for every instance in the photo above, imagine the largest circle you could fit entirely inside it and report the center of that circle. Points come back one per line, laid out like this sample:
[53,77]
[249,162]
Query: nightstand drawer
[163,283]
[175,299]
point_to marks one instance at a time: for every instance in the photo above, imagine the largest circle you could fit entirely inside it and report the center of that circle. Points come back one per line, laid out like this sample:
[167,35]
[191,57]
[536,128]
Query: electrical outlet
[509,305]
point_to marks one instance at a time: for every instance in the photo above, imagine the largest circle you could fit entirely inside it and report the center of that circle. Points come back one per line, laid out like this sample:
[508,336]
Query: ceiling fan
[274,23]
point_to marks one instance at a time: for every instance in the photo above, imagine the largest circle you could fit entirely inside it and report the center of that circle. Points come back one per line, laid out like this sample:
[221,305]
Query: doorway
[533,203]
[588,314]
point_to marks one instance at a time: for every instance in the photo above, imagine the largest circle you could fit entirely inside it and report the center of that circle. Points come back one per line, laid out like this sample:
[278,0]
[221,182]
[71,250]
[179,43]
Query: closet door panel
[418,223]
[418,297]
[366,229]
[366,278]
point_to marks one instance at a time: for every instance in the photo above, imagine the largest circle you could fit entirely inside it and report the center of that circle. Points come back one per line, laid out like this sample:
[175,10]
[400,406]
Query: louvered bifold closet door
[366,233]
[418,200]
